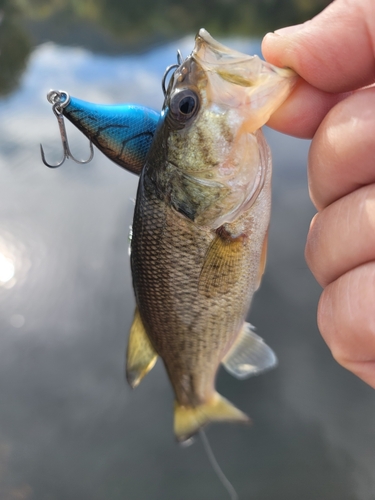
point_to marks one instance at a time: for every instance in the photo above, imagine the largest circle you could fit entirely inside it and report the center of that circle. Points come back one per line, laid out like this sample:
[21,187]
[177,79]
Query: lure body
[122,132]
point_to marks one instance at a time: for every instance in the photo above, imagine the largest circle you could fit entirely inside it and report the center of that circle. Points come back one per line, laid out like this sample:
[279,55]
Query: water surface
[69,425]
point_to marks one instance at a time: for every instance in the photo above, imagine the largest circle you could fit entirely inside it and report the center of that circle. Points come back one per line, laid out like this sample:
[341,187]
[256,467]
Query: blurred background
[70,428]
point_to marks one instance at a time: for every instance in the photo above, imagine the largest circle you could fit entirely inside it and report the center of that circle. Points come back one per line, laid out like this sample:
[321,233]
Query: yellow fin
[188,420]
[263,260]
[140,356]
[222,267]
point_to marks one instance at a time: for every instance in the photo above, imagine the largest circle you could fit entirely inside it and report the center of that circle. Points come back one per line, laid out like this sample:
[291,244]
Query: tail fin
[188,420]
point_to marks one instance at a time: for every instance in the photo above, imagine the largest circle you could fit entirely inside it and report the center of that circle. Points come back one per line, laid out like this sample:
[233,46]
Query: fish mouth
[231,79]
[235,79]
[211,51]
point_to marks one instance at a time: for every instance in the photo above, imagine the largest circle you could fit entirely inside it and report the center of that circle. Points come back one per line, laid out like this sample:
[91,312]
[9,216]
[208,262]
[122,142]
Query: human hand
[334,54]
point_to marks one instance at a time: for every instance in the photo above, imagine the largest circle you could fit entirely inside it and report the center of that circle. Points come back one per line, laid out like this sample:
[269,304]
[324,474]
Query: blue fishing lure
[123,132]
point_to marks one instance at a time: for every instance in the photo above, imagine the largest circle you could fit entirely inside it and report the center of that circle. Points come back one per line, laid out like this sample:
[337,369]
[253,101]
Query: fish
[201,219]
[199,243]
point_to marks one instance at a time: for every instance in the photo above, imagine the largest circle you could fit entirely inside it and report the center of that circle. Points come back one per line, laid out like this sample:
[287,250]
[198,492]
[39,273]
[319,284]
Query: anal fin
[141,356]
[249,355]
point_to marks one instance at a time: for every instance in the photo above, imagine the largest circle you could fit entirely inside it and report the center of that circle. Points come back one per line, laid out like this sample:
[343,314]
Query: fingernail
[289,30]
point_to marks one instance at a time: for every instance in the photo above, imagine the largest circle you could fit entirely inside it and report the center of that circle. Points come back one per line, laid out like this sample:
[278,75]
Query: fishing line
[216,467]
[212,459]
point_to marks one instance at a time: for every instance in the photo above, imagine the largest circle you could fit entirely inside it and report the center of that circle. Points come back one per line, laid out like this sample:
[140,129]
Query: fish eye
[184,104]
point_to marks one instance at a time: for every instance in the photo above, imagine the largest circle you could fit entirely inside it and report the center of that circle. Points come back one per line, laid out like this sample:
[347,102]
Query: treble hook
[59,100]
[172,66]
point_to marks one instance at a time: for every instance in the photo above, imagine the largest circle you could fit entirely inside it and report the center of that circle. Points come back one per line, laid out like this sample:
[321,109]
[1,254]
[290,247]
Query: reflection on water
[6,269]
[69,426]
[113,26]
[14,262]
[17,320]
[15,46]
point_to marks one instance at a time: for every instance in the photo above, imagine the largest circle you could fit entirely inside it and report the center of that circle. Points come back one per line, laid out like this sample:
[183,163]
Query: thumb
[334,52]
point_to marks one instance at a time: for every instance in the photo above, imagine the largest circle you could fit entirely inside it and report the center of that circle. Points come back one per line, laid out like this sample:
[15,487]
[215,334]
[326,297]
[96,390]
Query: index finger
[301,114]
[334,53]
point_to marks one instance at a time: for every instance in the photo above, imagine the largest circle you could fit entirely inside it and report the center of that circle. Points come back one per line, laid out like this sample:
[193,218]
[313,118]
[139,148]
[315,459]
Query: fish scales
[189,331]
[200,230]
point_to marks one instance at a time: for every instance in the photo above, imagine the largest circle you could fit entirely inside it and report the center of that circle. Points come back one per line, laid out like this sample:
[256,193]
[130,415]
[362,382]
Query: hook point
[59,100]
[45,161]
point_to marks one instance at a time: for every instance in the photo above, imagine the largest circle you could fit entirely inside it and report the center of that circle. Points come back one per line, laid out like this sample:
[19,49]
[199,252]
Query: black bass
[200,229]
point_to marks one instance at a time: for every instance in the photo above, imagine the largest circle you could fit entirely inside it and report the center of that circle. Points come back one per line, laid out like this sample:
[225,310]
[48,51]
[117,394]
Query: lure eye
[184,104]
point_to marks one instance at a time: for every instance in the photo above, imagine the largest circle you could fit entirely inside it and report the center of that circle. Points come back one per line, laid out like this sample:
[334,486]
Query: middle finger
[342,236]
[342,153]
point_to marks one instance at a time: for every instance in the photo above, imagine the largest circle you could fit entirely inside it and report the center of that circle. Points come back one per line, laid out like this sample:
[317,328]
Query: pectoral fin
[222,266]
[249,355]
[141,356]
[263,260]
